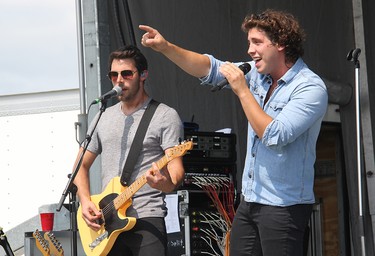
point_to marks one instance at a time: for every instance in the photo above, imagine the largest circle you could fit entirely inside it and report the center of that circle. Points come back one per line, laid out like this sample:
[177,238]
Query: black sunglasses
[126,74]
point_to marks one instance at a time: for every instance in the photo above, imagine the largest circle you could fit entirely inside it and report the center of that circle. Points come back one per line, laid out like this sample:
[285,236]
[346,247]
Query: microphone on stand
[353,54]
[245,67]
[116,91]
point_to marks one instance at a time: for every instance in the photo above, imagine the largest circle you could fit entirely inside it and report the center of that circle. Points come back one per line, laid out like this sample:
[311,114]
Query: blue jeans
[263,230]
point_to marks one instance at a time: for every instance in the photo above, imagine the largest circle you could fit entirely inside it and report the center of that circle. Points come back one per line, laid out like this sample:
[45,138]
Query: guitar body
[114,223]
[113,203]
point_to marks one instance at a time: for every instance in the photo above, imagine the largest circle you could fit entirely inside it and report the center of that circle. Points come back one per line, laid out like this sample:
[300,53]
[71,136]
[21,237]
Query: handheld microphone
[245,67]
[116,91]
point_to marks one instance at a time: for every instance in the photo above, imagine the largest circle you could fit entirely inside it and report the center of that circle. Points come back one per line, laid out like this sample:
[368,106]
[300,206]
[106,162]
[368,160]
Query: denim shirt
[279,168]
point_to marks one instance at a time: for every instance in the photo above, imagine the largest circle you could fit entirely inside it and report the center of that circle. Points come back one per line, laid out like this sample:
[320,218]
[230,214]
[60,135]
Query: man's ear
[280,47]
[144,74]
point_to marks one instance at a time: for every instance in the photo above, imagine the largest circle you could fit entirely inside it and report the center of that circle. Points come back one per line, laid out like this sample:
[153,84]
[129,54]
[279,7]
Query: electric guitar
[41,243]
[113,202]
[55,246]
[48,245]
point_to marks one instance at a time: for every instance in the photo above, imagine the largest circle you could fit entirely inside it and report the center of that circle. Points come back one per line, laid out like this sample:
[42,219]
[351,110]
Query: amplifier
[207,172]
[211,146]
[202,227]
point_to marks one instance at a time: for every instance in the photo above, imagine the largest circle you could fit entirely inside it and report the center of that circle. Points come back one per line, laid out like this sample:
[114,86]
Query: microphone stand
[5,244]
[353,56]
[71,189]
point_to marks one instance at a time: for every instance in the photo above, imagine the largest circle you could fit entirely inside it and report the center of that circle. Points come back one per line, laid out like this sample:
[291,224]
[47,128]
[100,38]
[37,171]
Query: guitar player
[112,139]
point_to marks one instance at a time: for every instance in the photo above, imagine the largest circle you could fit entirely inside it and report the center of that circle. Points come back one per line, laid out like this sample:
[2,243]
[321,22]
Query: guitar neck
[128,193]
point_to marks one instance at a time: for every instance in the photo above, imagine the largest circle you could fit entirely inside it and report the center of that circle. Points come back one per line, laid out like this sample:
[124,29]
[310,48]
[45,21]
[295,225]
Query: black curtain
[213,26]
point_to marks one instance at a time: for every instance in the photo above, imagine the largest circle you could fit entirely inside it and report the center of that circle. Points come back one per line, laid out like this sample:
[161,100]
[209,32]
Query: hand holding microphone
[245,67]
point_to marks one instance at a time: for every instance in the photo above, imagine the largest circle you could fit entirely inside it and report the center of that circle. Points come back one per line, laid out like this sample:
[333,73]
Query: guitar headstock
[55,246]
[179,150]
[41,243]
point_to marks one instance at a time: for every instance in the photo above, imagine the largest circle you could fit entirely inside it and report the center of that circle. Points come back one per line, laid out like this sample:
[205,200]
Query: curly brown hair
[281,28]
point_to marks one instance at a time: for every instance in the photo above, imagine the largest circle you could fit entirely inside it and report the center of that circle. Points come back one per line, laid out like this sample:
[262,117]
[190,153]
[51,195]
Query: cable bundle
[214,187]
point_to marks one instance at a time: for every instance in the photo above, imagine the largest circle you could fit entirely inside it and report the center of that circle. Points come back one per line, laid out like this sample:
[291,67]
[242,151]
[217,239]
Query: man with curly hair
[284,102]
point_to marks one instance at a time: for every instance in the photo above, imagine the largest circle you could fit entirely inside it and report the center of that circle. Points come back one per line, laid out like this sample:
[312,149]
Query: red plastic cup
[46,220]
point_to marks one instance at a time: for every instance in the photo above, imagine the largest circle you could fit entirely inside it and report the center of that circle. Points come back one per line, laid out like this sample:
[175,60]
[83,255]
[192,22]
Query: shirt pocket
[275,107]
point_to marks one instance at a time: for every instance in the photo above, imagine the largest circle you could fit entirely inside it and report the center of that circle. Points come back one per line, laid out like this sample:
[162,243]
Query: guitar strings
[110,207]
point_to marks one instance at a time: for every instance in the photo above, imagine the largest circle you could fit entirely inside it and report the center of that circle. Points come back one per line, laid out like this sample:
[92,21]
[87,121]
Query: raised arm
[193,63]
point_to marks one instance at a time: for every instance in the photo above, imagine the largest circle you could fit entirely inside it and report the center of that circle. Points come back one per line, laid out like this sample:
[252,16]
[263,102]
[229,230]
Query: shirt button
[253,154]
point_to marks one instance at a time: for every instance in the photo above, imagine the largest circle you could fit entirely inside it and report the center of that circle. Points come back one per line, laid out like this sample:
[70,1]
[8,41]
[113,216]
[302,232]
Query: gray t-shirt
[112,139]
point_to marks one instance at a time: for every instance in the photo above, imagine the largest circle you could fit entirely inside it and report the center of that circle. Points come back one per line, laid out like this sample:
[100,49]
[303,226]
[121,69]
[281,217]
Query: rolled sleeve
[307,106]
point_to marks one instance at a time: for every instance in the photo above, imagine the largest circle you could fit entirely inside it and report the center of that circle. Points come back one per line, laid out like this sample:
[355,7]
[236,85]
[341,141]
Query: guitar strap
[136,146]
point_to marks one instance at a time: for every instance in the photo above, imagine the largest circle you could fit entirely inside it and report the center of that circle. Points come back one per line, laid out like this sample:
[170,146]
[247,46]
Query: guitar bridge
[98,240]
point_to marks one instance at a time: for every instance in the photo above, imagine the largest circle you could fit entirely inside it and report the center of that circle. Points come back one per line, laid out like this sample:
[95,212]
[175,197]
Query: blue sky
[38,46]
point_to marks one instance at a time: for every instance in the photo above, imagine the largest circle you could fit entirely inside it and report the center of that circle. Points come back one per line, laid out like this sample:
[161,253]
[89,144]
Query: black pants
[262,230]
[147,238]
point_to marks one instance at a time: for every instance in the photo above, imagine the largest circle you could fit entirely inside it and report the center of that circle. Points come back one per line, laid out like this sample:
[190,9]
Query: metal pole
[71,189]
[81,64]
[82,117]
[353,56]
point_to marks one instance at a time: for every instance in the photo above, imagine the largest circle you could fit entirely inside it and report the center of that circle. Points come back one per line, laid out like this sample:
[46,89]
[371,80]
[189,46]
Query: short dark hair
[281,28]
[129,52]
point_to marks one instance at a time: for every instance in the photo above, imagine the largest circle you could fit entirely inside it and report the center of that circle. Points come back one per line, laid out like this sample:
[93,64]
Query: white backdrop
[37,152]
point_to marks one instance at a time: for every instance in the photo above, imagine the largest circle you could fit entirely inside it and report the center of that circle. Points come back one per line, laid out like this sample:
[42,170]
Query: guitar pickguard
[111,219]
